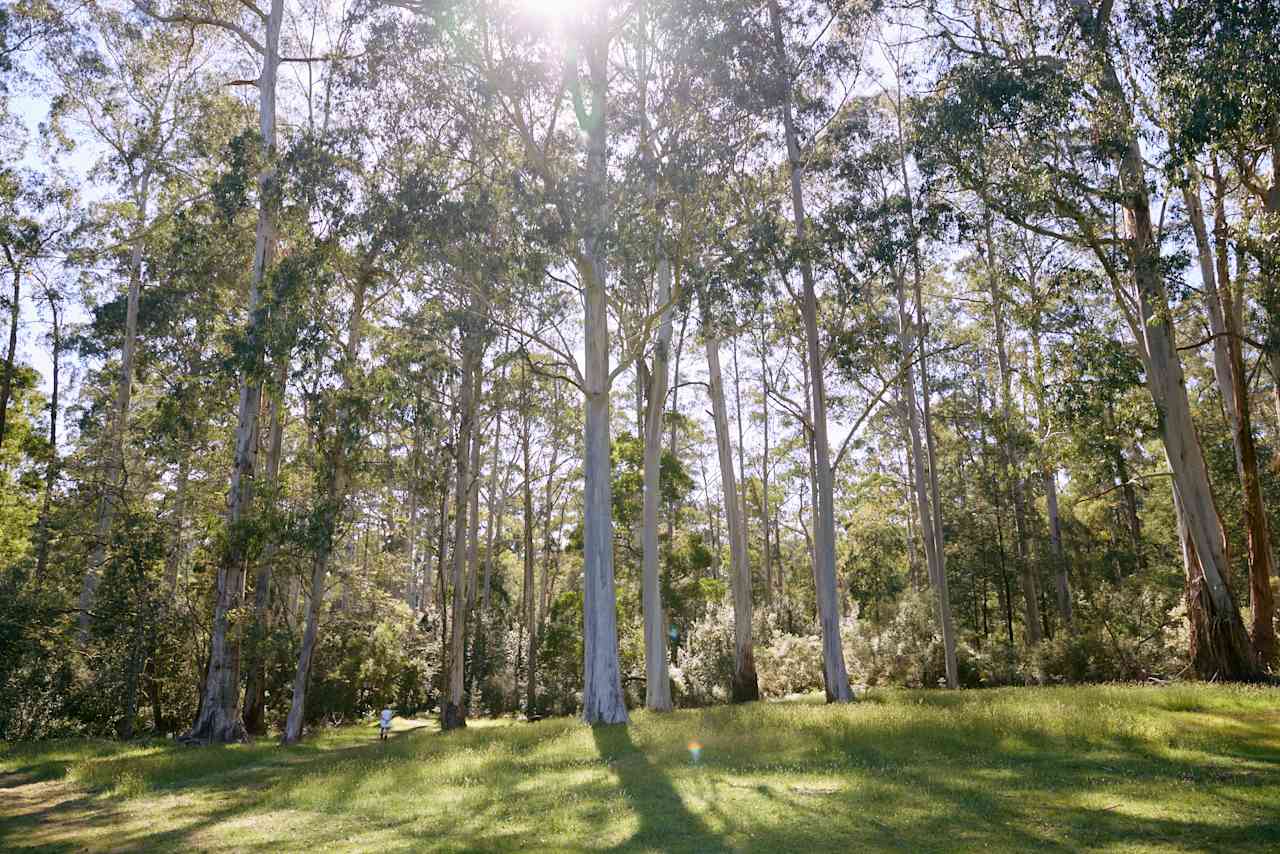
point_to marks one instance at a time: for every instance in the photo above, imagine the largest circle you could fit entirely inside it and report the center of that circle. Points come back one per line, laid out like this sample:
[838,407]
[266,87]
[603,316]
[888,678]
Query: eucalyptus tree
[1053,145]
[1216,86]
[258,32]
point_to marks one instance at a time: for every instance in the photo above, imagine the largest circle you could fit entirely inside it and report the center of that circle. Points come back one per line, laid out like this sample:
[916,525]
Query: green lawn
[1186,768]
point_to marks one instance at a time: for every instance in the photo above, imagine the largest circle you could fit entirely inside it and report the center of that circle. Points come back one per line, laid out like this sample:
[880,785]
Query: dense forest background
[565,356]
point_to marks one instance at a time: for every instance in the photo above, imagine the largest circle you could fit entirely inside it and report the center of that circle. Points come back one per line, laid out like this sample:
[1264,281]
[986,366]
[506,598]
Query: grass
[1115,768]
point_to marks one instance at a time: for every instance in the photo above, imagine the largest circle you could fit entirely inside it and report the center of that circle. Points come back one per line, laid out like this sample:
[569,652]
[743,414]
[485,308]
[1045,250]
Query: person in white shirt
[384,723]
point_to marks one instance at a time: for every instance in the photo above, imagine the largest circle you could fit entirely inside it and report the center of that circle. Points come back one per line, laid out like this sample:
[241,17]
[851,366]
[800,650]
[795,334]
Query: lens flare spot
[695,751]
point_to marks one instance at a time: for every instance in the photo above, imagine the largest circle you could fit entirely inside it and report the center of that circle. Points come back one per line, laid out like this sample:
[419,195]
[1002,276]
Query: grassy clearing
[1186,768]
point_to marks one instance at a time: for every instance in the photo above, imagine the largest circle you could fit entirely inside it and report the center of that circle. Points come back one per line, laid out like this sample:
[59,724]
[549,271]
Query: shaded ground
[1188,768]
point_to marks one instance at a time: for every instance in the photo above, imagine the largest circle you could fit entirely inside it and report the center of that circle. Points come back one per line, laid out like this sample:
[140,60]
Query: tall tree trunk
[411,583]
[764,474]
[602,699]
[1222,650]
[657,680]
[529,593]
[1222,311]
[1048,476]
[454,715]
[1257,533]
[173,558]
[924,508]
[938,564]
[834,674]
[497,509]
[745,686]
[219,718]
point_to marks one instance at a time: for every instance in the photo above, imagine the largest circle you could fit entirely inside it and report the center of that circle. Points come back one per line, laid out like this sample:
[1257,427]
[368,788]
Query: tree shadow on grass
[665,822]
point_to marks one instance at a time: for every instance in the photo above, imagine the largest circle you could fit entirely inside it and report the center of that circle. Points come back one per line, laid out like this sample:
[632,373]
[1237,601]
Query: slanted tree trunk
[219,718]
[834,674]
[1220,648]
[745,686]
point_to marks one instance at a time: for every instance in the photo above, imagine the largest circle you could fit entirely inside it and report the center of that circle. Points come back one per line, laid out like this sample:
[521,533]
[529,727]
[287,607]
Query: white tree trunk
[602,699]
[657,680]
[929,537]
[834,673]
[745,685]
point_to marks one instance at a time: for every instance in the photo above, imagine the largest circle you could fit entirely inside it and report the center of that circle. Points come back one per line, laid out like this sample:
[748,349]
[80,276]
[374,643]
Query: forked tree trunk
[745,685]
[835,676]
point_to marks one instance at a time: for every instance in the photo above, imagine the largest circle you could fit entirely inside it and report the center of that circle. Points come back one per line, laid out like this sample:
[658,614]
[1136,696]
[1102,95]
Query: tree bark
[1220,648]
[834,675]
[602,699]
[219,718]
[745,685]
[657,678]
[924,508]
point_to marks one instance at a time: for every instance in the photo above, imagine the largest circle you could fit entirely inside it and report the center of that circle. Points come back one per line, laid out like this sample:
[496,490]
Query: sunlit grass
[1191,767]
